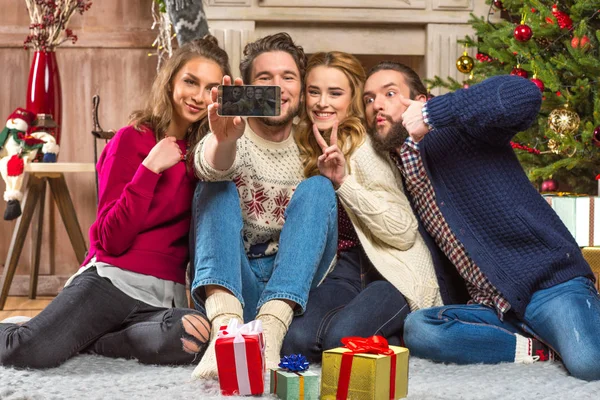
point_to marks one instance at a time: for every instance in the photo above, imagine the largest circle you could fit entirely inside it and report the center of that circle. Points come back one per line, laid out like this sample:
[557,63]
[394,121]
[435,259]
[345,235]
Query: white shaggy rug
[91,377]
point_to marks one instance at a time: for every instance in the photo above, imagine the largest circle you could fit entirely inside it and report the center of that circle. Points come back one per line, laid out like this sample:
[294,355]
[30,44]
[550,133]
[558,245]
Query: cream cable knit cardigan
[374,199]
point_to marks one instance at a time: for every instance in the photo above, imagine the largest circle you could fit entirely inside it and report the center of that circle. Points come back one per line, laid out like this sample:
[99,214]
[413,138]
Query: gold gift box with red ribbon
[365,369]
[592,256]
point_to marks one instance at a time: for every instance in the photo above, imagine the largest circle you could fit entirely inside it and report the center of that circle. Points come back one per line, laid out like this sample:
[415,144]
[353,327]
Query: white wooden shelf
[60,167]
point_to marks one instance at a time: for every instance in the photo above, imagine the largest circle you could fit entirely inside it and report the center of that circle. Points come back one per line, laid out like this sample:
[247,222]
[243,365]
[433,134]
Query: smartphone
[249,101]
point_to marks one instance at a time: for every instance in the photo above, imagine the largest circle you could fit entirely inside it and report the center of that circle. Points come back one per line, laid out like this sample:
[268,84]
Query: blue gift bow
[294,363]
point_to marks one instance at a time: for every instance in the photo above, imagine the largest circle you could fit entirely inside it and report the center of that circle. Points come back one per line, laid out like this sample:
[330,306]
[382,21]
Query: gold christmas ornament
[553,146]
[563,121]
[465,63]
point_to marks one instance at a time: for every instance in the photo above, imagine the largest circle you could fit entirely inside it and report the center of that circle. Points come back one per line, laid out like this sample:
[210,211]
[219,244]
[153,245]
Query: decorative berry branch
[49,19]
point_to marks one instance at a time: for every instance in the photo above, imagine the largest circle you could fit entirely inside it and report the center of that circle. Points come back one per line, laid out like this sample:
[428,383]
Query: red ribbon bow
[358,345]
[372,345]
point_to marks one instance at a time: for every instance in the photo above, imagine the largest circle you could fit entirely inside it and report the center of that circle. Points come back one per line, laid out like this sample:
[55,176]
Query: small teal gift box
[293,381]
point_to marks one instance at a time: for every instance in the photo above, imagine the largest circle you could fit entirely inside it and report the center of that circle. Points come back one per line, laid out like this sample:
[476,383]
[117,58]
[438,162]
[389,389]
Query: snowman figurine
[19,146]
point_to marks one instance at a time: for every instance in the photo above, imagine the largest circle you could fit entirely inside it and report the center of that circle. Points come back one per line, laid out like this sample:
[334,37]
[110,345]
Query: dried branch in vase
[49,20]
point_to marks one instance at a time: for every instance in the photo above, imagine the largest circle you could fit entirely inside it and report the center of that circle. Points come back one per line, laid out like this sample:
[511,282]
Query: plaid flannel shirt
[420,188]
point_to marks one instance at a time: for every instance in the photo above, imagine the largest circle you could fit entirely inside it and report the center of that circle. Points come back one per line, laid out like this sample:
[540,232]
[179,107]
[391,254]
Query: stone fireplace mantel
[424,32]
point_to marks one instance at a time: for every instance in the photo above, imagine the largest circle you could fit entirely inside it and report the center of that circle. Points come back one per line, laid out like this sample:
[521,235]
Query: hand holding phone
[249,100]
[224,129]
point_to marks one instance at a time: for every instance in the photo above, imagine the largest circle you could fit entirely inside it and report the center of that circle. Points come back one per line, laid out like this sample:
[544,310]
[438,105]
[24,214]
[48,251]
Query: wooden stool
[38,174]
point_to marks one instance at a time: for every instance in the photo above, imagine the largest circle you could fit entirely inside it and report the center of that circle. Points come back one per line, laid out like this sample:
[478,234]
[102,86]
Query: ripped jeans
[566,317]
[91,315]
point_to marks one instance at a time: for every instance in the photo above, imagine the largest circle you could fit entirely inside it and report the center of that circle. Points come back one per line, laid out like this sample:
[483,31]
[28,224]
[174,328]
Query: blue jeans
[566,317]
[92,315]
[354,300]
[307,246]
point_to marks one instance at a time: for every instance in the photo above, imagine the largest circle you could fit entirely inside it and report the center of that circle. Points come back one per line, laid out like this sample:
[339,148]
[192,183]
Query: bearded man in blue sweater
[514,281]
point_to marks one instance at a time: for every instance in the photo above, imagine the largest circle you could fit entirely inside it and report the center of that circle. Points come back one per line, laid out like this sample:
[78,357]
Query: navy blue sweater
[507,227]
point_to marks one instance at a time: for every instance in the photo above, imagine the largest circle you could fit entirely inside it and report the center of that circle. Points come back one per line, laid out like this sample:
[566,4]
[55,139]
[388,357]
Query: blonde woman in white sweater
[384,269]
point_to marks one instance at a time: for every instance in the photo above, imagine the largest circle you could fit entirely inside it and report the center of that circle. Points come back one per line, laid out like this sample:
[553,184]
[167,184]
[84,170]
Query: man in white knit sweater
[258,249]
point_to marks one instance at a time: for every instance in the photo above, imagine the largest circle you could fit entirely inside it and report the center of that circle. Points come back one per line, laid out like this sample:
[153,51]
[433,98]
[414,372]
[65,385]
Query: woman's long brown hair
[158,112]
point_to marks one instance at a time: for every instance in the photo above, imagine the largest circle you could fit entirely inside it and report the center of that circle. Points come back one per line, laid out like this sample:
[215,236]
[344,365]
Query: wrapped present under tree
[365,369]
[581,216]
[592,256]
[293,381]
[240,358]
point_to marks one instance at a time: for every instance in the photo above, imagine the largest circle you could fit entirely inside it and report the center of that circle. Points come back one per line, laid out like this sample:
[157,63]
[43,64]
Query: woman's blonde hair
[158,111]
[351,130]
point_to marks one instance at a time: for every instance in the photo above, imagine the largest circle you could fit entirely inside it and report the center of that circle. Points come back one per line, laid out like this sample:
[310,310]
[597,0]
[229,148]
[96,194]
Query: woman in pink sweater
[129,299]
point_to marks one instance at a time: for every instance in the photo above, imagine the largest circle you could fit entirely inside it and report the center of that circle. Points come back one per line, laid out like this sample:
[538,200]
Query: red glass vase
[43,90]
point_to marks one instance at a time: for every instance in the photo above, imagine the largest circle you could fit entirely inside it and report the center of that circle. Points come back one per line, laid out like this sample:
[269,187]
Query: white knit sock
[523,350]
[220,309]
[19,320]
[276,317]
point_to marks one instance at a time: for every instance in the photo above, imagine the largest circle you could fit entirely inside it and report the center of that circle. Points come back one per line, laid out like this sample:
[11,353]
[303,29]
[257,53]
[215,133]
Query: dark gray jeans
[353,300]
[92,315]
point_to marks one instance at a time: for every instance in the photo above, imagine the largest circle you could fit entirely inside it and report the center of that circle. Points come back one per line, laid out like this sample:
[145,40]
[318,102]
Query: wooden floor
[17,305]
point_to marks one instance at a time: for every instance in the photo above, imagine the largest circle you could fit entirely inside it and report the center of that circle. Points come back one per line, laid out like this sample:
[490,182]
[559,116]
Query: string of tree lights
[555,45]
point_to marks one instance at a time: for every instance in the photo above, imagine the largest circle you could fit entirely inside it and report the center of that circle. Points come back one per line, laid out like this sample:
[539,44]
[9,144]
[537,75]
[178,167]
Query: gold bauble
[553,146]
[465,63]
[563,121]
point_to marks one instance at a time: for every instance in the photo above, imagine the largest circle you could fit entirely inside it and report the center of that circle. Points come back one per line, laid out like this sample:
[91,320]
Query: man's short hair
[277,42]
[412,79]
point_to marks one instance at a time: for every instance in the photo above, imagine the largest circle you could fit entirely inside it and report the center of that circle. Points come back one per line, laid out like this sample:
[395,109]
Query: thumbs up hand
[412,119]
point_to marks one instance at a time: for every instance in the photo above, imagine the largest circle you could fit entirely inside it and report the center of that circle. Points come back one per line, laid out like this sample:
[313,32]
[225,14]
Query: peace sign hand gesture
[331,163]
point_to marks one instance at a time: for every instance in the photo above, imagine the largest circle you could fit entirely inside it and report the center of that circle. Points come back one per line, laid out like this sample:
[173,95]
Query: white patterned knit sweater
[266,174]
[384,221]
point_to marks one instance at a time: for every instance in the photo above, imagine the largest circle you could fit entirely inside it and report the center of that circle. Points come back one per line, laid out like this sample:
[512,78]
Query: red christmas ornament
[549,185]
[563,19]
[596,136]
[482,57]
[538,83]
[584,43]
[519,72]
[575,42]
[580,43]
[523,33]
[498,4]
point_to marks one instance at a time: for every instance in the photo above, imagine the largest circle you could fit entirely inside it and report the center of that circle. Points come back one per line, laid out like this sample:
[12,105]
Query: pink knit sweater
[143,218]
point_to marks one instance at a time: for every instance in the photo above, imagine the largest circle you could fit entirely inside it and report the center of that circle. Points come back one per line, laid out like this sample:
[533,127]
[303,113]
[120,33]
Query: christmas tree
[556,45]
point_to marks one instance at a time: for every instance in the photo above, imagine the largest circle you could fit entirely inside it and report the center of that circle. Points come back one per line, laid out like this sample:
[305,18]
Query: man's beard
[282,119]
[394,139]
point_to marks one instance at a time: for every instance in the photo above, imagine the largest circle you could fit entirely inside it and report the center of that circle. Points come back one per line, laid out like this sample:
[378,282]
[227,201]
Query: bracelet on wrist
[426,120]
